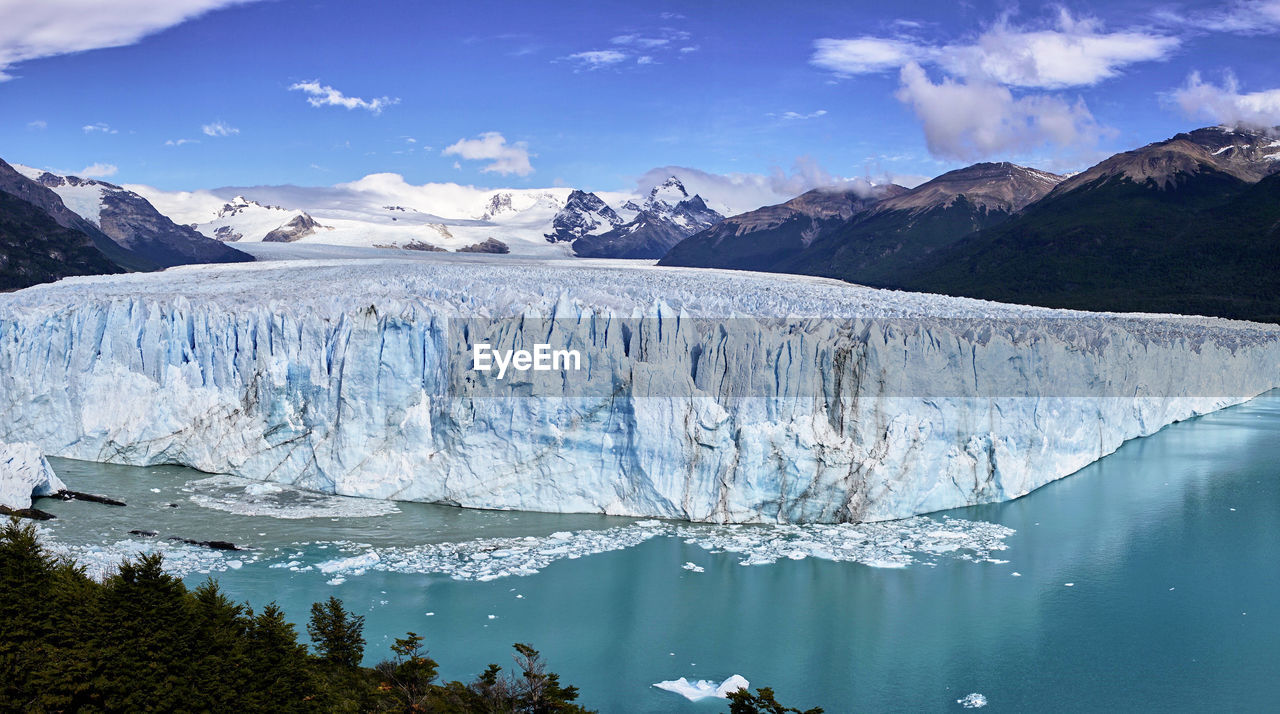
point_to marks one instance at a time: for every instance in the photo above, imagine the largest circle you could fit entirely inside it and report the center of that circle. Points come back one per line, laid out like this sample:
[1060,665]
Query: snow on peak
[498,204]
[669,192]
[83,197]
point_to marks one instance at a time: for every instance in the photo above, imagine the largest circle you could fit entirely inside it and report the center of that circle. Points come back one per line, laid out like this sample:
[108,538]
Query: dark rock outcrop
[489,245]
[300,227]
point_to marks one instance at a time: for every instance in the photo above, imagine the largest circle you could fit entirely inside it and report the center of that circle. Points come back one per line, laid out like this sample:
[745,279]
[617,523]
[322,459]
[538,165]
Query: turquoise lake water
[1171,547]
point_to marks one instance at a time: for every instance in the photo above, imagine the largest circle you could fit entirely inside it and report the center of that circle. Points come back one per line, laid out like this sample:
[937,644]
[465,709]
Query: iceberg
[703,395]
[24,474]
[703,688]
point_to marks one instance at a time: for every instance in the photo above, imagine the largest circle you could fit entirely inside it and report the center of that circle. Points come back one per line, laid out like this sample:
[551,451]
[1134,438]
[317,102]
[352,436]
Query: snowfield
[705,395]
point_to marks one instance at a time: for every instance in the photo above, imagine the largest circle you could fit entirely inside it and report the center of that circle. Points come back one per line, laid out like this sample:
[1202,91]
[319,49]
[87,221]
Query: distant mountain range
[868,235]
[547,222]
[55,226]
[1187,225]
[667,216]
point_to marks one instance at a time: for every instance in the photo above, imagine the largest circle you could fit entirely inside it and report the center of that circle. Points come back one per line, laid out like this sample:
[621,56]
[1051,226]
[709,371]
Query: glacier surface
[708,396]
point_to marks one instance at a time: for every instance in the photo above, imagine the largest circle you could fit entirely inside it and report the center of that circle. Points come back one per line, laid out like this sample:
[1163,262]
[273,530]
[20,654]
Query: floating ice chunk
[1070,585]
[102,560]
[972,701]
[247,497]
[235,564]
[155,490]
[262,489]
[894,544]
[884,563]
[704,688]
[357,564]
[336,581]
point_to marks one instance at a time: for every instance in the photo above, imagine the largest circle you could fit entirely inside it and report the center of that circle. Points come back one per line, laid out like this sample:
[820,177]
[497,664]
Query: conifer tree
[337,634]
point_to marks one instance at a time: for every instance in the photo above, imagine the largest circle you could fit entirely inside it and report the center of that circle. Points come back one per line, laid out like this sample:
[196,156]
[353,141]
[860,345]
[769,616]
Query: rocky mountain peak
[1248,155]
[301,226]
[670,193]
[1001,186]
[498,203]
[240,204]
[583,213]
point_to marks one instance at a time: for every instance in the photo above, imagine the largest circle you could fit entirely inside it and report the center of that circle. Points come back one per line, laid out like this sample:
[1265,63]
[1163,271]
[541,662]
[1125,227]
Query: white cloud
[864,55]
[636,40]
[1227,105]
[492,146]
[218,128]
[97,171]
[792,116]
[45,28]
[644,47]
[595,59]
[38,124]
[1073,53]
[973,113]
[322,95]
[690,48]
[1246,17]
[98,128]
[971,120]
[180,142]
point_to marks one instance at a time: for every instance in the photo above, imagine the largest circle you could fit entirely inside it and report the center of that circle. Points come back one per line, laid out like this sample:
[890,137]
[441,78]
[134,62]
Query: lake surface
[1148,581]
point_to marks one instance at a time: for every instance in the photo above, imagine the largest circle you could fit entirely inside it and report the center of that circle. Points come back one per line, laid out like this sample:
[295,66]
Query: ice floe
[972,701]
[247,497]
[886,544]
[101,561]
[704,688]
[894,544]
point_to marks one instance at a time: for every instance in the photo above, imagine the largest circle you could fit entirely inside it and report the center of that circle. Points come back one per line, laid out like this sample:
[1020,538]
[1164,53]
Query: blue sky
[185,94]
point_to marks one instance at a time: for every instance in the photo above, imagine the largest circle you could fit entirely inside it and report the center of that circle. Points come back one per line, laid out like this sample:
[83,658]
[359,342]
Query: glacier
[709,396]
[25,473]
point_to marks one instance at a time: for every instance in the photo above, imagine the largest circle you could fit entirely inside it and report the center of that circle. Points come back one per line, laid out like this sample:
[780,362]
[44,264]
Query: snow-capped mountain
[383,211]
[667,216]
[132,222]
[41,240]
[583,214]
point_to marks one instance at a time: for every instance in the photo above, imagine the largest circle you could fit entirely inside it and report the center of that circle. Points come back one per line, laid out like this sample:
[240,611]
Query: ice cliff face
[708,396]
[24,473]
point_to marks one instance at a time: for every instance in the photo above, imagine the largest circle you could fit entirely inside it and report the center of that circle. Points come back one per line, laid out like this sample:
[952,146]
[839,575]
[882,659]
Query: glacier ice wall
[25,473]
[710,396]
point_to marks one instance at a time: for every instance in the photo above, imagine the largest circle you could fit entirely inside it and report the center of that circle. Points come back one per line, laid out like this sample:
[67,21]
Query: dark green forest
[141,641]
